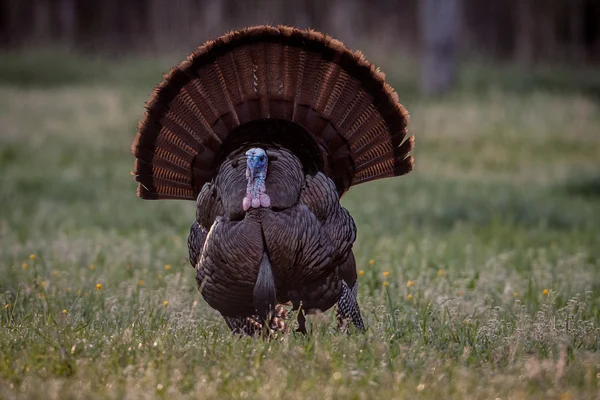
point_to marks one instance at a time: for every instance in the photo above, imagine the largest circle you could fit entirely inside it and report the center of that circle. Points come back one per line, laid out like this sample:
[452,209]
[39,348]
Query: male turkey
[267,128]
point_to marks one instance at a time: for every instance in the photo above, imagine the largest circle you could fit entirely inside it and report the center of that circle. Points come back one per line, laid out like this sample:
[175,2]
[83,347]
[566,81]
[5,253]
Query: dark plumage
[266,129]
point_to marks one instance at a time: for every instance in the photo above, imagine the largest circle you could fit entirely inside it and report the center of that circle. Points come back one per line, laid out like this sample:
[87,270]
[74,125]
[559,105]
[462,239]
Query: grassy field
[480,271]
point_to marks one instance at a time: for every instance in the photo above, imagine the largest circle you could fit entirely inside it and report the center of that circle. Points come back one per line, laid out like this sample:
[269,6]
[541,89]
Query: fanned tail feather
[264,73]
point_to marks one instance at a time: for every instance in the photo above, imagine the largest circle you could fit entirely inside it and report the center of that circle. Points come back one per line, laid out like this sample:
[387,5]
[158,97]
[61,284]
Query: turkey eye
[261,159]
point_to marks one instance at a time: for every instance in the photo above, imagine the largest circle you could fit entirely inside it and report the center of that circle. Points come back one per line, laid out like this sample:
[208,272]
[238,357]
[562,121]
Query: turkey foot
[252,327]
[301,322]
[277,323]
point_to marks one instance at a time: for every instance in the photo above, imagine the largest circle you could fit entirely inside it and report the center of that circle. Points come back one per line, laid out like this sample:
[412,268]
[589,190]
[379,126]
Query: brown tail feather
[386,169]
[265,73]
[382,150]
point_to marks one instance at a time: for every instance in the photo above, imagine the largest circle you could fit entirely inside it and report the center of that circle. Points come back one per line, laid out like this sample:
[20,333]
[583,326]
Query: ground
[479,271]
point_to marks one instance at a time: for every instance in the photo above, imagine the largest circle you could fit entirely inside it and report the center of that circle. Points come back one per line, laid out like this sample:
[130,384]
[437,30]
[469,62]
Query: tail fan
[297,88]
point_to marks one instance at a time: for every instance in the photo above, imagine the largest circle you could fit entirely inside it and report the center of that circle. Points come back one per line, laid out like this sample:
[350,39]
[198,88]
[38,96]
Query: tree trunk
[577,33]
[546,39]
[440,25]
[525,25]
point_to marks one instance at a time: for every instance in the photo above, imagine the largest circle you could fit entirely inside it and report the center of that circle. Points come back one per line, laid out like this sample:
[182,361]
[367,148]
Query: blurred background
[430,35]
[498,225]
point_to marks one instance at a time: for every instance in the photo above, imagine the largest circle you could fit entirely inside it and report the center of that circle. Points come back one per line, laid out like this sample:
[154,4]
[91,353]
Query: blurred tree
[346,20]
[577,31]
[5,20]
[525,27]
[440,22]
[526,31]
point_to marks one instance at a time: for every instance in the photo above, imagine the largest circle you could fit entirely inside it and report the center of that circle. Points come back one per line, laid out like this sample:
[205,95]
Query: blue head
[256,173]
[256,161]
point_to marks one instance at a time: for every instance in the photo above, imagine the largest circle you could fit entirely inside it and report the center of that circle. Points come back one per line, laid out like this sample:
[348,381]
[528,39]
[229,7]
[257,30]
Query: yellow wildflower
[43,283]
[165,303]
[386,274]
[545,292]
[141,282]
[441,272]
[371,262]
[68,290]
[92,267]
[361,272]
[168,267]
[99,286]
[409,297]
[410,283]
[24,265]
[7,306]
[385,284]
[55,273]
[516,294]
[65,312]
[32,257]
[159,276]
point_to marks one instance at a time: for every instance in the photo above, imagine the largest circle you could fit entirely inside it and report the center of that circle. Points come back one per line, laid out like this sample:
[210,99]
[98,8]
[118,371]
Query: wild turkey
[266,128]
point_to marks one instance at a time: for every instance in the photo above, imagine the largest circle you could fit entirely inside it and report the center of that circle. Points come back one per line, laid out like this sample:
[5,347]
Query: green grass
[504,204]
